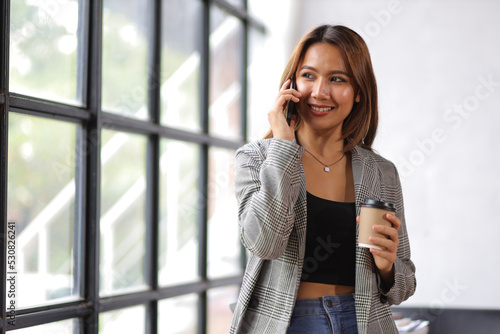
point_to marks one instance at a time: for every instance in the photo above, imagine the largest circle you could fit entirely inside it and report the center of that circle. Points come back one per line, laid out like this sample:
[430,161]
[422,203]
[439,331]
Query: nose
[320,90]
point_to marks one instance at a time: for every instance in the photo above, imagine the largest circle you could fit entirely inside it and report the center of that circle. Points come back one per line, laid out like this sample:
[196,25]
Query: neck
[324,145]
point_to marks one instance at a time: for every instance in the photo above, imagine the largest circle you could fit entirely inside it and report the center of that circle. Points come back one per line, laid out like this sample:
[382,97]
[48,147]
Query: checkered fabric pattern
[271,193]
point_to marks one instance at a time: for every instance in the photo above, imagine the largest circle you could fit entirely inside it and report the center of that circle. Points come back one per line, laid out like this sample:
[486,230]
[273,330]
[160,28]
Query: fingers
[391,240]
[384,243]
[284,97]
[286,84]
[389,231]
[290,94]
[385,257]
[276,116]
[384,260]
[396,222]
[388,256]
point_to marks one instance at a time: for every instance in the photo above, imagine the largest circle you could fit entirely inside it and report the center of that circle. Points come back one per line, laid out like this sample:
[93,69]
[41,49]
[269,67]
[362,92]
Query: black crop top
[330,254]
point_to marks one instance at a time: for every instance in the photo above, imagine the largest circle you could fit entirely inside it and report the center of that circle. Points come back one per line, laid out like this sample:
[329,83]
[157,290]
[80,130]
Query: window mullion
[153,162]
[93,167]
[4,121]
[204,45]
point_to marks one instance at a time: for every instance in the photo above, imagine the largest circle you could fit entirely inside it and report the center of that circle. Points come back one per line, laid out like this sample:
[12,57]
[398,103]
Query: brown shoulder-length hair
[360,127]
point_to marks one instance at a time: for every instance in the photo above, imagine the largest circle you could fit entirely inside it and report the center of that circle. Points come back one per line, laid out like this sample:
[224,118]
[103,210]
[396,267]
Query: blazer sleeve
[267,184]
[404,270]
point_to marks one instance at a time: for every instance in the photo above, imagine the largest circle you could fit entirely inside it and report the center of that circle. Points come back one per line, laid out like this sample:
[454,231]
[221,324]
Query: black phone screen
[291,108]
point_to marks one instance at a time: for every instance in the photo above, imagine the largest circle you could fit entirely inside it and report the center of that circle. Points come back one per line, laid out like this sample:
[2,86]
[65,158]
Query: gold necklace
[327,167]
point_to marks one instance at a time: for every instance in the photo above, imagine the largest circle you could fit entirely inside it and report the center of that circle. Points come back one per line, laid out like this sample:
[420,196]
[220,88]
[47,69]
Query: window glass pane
[178,315]
[123,186]
[262,88]
[219,313]
[179,207]
[124,58]
[128,320]
[226,38]
[180,62]
[41,201]
[223,240]
[44,48]
[69,326]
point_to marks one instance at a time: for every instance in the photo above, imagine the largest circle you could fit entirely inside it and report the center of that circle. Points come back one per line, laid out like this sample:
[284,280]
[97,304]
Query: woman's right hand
[276,116]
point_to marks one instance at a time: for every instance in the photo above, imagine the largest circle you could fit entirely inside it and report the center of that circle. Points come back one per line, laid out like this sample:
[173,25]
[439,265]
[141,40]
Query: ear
[358,98]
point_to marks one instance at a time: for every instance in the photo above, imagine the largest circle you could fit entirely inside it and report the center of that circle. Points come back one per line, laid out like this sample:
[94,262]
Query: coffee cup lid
[379,204]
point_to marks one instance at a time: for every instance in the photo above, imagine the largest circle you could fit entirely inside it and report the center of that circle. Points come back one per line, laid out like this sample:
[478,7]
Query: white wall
[438,70]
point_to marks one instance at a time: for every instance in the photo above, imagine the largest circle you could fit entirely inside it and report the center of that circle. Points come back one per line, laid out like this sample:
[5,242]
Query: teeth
[321,109]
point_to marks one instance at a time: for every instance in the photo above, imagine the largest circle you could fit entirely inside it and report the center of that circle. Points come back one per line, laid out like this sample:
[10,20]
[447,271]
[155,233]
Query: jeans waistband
[323,304]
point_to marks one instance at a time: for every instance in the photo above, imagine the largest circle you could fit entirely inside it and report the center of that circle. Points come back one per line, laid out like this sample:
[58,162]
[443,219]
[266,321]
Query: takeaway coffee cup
[373,213]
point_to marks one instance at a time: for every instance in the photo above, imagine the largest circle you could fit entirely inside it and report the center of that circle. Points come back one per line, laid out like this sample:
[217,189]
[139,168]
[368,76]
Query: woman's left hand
[385,258]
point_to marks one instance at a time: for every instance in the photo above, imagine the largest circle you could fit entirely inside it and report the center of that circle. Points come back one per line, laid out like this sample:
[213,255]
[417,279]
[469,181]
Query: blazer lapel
[366,185]
[366,178]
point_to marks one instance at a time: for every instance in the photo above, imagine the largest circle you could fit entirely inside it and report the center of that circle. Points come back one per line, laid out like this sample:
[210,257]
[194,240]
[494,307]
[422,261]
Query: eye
[337,79]
[307,75]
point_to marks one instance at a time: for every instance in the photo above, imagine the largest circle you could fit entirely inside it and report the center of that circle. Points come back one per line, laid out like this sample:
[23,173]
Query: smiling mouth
[320,109]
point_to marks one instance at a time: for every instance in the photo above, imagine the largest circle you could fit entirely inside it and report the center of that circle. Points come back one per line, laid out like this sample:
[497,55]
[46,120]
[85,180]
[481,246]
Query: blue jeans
[329,314]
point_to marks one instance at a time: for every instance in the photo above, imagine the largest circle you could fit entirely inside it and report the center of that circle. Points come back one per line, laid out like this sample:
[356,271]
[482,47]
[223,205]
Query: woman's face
[327,90]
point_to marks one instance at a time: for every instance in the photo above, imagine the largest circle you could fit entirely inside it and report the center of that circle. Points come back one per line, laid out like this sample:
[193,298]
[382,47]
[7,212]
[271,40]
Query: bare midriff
[310,290]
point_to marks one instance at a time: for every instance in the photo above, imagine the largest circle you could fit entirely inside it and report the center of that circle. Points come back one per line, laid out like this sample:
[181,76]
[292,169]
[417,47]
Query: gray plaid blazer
[271,193]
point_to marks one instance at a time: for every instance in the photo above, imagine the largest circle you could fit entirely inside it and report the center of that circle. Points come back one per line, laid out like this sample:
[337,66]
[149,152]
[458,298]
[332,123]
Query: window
[119,123]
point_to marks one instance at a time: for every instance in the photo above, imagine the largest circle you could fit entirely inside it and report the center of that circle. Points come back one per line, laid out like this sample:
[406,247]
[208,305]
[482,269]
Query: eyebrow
[308,67]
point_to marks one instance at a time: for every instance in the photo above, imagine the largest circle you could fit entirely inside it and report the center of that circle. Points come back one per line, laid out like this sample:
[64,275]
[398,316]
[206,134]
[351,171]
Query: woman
[299,191]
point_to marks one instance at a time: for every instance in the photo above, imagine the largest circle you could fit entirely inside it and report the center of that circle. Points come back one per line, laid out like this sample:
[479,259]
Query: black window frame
[92,121]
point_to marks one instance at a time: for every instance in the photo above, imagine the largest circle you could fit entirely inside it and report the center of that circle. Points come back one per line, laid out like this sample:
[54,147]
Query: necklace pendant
[327,169]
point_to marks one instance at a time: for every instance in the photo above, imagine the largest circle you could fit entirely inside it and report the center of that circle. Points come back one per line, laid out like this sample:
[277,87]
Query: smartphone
[291,107]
